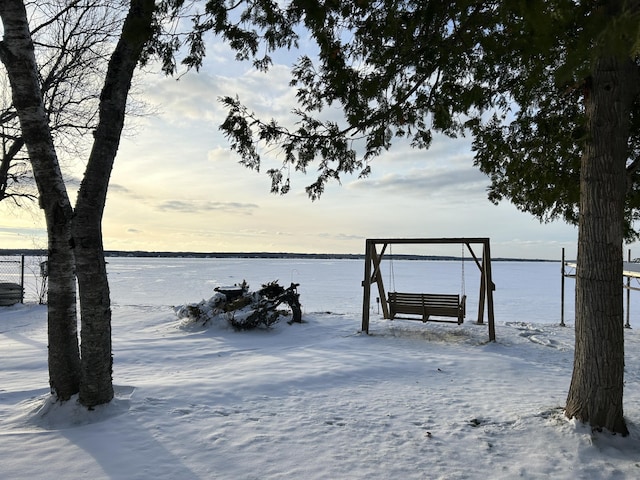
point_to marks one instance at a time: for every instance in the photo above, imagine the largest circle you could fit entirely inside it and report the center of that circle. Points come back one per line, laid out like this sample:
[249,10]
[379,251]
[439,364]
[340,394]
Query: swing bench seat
[427,305]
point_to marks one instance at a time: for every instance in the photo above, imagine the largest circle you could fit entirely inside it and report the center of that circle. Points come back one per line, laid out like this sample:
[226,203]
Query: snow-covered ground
[317,400]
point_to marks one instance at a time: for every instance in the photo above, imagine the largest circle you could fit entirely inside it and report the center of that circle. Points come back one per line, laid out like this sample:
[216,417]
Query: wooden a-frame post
[372,275]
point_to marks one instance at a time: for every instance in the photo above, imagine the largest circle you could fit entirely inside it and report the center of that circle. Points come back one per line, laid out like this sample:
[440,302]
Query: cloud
[27,232]
[192,97]
[221,154]
[195,96]
[427,183]
[206,206]
[23,237]
[341,236]
[117,188]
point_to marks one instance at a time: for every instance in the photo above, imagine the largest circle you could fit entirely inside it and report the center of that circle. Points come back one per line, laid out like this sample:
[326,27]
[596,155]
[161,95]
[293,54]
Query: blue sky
[176,186]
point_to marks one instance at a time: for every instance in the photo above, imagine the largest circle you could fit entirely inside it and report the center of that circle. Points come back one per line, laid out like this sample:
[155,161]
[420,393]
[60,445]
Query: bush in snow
[244,310]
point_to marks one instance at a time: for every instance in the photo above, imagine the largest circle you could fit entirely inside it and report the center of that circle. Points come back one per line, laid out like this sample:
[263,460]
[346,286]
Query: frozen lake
[525,291]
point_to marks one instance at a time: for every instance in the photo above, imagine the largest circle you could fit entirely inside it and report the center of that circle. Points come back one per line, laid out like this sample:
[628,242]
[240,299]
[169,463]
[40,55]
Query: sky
[176,186]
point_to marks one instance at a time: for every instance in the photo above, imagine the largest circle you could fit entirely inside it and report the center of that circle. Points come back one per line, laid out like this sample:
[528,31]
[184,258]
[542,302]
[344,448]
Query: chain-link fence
[22,278]
[11,280]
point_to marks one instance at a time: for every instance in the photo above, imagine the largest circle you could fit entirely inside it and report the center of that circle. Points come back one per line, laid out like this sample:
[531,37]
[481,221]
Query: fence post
[627,324]
[562,291]
[21,278]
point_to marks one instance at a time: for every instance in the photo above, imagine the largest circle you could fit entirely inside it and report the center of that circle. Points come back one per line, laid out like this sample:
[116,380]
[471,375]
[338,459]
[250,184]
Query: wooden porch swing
[430,307]
[427,306]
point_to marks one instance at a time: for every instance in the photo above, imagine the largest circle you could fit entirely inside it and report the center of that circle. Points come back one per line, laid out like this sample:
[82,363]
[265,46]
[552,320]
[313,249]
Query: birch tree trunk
[17,55]
[76,232]
[96,386]
[595,394]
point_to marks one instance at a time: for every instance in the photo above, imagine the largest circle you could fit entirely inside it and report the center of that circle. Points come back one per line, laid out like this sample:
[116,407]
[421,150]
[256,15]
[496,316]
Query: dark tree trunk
[595,394]
[96,386]
[17,54]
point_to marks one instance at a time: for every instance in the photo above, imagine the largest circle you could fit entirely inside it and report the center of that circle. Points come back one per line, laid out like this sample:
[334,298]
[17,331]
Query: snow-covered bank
[315,400]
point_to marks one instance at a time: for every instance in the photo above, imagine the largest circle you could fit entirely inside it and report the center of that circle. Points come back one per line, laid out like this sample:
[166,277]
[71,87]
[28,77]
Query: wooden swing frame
[372,274]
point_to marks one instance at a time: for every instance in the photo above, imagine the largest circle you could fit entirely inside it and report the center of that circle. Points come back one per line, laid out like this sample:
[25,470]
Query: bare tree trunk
[17,54]
[595,394]
[96,386]
[79,231]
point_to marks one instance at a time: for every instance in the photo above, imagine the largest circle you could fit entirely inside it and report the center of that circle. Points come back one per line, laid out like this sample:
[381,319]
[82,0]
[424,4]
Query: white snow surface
[317,400]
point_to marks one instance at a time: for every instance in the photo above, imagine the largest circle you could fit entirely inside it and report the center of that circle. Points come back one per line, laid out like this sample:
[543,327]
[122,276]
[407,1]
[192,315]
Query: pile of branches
[245,310]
